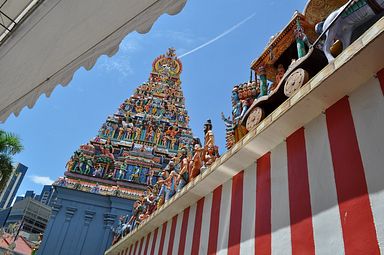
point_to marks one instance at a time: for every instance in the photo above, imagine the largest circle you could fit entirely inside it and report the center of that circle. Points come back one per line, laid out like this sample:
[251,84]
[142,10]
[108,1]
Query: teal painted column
[263,82]
[300,38]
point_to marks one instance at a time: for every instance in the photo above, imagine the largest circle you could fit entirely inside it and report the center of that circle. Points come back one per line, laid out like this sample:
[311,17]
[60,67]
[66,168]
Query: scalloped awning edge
[109,45]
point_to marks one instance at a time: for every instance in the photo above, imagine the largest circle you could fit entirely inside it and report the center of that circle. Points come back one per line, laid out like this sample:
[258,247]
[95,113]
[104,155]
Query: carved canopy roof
[317,10]
[281,42]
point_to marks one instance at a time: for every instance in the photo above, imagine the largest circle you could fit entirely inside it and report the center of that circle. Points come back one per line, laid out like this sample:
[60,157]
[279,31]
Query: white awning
[57,37]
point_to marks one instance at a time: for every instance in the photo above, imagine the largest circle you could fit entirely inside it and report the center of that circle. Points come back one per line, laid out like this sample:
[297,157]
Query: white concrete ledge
[352,68]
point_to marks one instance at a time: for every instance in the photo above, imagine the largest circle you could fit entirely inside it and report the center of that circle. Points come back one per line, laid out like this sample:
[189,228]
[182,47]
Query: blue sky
[57,126]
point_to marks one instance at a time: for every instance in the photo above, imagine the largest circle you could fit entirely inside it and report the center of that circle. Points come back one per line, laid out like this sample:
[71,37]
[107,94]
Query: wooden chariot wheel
[294,81]
[254,118]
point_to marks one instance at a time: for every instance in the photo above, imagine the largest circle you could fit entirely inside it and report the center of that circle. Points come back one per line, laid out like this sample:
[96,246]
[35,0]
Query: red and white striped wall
[319,192]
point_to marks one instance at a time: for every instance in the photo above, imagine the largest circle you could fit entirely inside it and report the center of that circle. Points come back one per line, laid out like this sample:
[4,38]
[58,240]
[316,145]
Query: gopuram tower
[104,177]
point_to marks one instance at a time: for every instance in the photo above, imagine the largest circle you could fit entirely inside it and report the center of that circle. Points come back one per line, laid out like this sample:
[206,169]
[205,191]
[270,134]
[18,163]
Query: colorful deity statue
[263,81]
[242,96]
[88,166]
[139,106]
[129,131]
[158,136]
[183,177]
[211,151]
[62,182]
[172,143]
[120,230]
[279,76]
[99,171]
[82,163]
[95,189]
[70,164]
[239,107]
[149,179]
[136,174]
[149,134]
[137,133]
[196,162]
[209,139]
[108,149]
[229,131]
[121,133]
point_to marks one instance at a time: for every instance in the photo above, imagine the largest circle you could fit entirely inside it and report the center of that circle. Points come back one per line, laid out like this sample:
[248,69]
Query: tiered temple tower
[105,176]
[139,139]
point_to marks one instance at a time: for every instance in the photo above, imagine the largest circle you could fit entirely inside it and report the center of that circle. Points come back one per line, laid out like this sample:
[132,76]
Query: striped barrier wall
[308,180]
[319,192]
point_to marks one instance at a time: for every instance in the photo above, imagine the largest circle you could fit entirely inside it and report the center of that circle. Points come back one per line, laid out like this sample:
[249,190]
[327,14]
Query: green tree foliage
[9,145]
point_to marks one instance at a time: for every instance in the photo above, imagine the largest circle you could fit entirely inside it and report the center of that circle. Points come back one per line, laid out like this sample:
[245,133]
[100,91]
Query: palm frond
[10,143]
[6,169]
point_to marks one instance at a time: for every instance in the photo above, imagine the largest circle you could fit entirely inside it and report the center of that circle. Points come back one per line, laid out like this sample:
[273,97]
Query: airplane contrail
[219,36]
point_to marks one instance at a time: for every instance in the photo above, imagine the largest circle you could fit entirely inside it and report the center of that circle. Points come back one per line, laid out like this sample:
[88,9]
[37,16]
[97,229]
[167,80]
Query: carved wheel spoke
[254,118]
[297,79]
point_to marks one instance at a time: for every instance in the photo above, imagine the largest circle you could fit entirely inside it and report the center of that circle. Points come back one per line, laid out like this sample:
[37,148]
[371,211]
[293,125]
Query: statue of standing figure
[211,151]
[234,130]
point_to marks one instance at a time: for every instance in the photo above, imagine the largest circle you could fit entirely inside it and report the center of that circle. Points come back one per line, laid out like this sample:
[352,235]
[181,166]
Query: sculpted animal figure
[357,12]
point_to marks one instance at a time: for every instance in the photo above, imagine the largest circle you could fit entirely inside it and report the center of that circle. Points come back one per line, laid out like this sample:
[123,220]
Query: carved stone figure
[137,133]
[183,177]
[209,139]
[158,136]
[238,107]
[279,75]
[210,149]
[196,162]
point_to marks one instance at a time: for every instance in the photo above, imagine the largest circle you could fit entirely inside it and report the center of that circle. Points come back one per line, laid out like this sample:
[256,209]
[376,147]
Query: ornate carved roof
[317,10]
[280,42]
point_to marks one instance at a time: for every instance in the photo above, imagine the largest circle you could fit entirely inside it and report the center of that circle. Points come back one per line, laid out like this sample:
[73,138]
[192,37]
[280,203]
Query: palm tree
[9,145]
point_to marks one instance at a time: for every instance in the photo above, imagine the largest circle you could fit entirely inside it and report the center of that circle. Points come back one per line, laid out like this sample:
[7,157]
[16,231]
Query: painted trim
[263,206]
[299,198]
[351,185]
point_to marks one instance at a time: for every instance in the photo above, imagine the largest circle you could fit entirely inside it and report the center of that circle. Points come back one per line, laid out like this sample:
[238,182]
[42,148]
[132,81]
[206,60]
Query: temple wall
[307,180]
[81,222]
[321,191]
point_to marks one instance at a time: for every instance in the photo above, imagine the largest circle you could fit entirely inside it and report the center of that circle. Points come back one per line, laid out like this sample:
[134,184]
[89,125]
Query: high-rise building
[30,193]
[12,186]
[47,195]
[19,198]
[4,213]
[32,214]
[105,176]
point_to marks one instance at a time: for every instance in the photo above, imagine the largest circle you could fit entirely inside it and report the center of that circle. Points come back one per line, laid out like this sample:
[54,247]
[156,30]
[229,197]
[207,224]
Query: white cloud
[184,37]
[120,62]
[43,180]
[129,45]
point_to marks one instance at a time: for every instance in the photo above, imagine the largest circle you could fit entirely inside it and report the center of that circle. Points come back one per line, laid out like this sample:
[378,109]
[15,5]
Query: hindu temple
[148,132]
[303,171]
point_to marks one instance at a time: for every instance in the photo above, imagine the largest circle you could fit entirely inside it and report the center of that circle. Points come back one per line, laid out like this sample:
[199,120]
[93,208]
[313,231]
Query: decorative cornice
[88,216]
[69,213]
[109,219]
[55,210]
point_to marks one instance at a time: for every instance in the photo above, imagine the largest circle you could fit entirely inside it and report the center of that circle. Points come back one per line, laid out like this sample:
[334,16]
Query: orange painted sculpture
[197,162]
